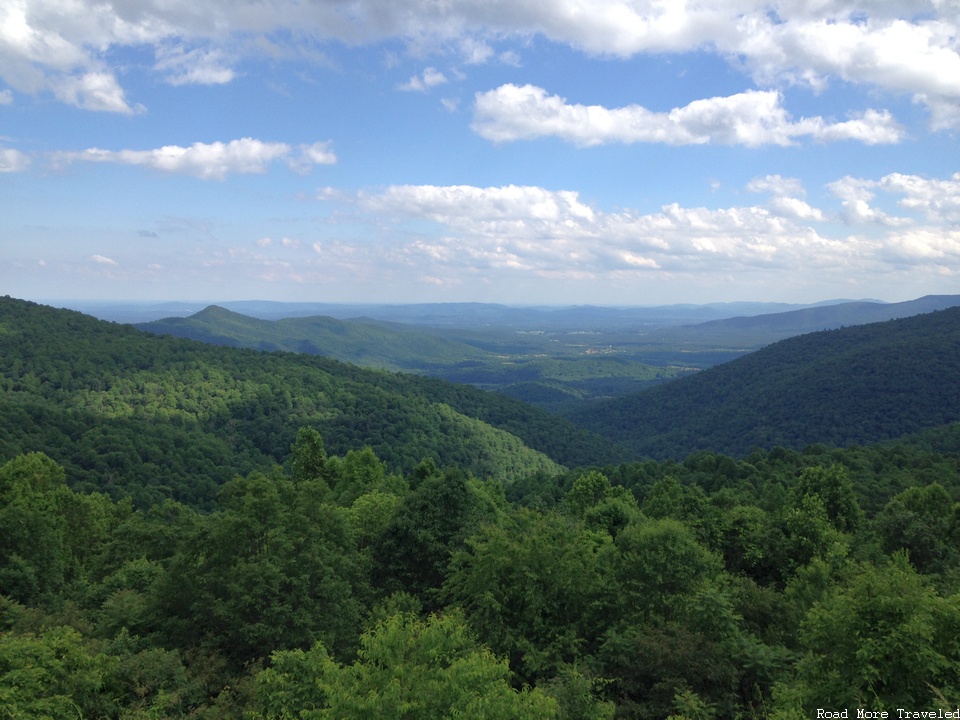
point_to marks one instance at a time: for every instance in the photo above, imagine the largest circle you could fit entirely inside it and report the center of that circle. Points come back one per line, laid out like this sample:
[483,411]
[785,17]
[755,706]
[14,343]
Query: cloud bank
[556,235]
[751,118]
[905,47]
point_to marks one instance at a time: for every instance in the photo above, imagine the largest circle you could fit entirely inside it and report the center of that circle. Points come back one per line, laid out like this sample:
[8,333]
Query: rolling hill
[546,369]
[755,331]
[168,417]
[363,342]
[859,384]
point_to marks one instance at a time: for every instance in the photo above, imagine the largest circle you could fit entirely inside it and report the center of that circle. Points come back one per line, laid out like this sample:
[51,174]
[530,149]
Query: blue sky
[526,152]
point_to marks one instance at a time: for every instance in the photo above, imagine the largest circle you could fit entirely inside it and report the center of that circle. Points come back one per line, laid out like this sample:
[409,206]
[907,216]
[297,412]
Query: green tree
[533,589]
[275,570]
[34,557]
[658,563]
[406,668]
[835,489]
[601,505]
[413,552]
[308,457]
[52,675]
[883,640]
[919,521]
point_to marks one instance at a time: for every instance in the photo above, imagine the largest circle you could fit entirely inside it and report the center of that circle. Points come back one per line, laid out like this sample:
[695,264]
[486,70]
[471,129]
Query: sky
[531,152]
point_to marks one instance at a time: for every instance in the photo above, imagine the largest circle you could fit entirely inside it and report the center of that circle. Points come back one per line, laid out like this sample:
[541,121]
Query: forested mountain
[549,370]
[365,343]
[169,417]
[754,331]
[853,385]
[178,540]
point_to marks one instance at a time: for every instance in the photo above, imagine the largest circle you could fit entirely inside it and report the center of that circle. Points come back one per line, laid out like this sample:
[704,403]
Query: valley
[228,525]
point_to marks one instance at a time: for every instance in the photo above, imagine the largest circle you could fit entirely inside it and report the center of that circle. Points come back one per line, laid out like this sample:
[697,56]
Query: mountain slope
[543,369]
[758,330]
[366,343]
[173,417]
[854,385]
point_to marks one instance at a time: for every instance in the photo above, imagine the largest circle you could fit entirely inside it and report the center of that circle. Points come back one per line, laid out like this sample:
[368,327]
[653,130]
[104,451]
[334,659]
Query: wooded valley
[189,530]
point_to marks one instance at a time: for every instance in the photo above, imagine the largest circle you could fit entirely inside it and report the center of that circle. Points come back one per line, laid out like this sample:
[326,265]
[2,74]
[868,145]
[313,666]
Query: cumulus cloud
[200,66]
[917,57]
[751,118]
[787,197]
[856,195]
[93,91]
[209,160]
[556,234]
[430,78]
[936,200]
[902,46]
[102,260]
[13,160]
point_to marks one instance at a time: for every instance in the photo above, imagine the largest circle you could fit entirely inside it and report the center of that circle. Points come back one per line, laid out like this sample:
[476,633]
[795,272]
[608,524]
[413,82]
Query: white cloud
[478,231]
[13,160]
[751,118]
[430,78]
[317,154]
[856,195]
[208,161]
[475,52]
[787,200]
[102,260]
[199,66]
[938,200]
[919,58]
[6,97]
[92,91]
[903,46]
[777,185]
[44,46]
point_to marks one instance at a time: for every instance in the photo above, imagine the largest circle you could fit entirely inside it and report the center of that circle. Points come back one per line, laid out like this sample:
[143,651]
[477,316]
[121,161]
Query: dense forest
[853,385]
[302,574]
[549,369]
[163,417]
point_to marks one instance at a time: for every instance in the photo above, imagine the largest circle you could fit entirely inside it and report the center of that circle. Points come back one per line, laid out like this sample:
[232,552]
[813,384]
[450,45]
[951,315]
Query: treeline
[853,386]
[330,587]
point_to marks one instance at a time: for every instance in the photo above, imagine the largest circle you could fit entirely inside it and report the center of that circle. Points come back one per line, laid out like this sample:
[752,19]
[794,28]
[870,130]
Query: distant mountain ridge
[854,385]
[534,354]
[362,342]
[766,328]
[442,315]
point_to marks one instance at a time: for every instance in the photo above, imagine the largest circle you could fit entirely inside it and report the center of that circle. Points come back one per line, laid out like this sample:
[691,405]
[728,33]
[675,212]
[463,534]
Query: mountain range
[73,385]
[853,385]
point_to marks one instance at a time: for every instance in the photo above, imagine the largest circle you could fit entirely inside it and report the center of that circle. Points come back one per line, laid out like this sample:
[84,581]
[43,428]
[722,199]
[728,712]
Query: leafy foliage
[333,583]
[856,385]
[153,417]
[406,668]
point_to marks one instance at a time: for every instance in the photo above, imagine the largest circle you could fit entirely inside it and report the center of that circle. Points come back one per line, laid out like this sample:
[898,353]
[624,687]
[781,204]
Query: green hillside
[853,385]
[365,343]
[270,566]
[549,369]
[160,416]
[756,331]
